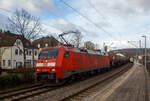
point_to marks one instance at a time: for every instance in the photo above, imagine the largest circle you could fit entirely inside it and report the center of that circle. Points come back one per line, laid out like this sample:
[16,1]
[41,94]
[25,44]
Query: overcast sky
[114,21]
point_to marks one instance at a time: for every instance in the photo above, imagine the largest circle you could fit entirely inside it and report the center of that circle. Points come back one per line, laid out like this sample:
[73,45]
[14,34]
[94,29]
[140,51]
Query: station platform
[134,85]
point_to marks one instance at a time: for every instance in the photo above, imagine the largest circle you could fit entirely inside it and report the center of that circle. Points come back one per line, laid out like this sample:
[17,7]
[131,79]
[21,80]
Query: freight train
[59,63]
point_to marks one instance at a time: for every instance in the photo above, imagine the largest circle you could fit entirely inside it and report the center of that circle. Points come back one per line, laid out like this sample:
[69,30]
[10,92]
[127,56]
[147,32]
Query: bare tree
[76,39]
[96,46]
[105,48]
[25,24]
[89,45]
[71,37]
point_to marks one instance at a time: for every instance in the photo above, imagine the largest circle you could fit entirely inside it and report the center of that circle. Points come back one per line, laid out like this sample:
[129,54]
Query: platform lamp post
[140,47]
[144,36]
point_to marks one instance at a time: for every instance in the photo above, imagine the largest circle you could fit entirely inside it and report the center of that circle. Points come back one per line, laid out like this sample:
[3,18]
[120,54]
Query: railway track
[68,92]
[79,96]
[24,93]
[20,88]
[82,88]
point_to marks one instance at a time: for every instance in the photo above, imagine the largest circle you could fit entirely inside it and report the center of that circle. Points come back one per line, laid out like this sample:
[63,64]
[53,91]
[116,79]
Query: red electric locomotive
[59,63]
[63,62]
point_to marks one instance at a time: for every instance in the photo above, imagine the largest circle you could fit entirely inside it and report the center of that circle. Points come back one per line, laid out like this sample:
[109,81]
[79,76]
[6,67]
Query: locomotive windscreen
[48,53]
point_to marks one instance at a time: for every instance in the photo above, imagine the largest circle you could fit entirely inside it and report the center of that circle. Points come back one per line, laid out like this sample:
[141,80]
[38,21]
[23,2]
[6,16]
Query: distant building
[48,41]
[11,51]
[148,52]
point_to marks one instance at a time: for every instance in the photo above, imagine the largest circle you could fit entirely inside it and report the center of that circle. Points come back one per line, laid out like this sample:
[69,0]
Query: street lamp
[140,47]
[144,36]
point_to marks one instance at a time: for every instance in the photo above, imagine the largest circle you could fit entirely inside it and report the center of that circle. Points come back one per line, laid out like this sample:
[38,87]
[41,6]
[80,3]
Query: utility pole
[140,47]
[106,47]
[145,49]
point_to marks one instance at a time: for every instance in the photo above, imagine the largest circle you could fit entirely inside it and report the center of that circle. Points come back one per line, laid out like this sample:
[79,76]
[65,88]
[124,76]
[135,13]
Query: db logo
[44,64]
[44,70]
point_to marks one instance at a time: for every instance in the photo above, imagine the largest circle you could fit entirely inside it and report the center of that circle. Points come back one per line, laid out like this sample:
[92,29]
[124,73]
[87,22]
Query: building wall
[6,55]
[13,57]
[29,57]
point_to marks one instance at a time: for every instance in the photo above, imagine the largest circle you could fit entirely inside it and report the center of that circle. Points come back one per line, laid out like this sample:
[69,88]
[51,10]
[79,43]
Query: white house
[11,52]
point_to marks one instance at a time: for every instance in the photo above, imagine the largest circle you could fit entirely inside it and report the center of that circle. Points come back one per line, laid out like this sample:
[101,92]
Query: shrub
[10,71]
[25,74]
[21,70]
[9,80]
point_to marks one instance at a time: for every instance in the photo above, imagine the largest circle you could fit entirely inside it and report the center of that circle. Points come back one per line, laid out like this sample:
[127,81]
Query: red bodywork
[76,62]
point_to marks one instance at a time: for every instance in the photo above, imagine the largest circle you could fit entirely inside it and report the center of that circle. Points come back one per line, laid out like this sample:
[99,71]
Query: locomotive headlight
[53,70]
[38,70]
[51,64]
[39,64]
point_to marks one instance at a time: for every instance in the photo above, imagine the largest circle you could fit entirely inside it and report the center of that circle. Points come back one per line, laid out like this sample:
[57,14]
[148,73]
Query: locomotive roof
[80,50]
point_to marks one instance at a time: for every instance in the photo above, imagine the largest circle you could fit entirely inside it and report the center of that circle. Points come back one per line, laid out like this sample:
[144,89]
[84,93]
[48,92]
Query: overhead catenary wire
[87,19]
[9,11]
[100,14]
[6,10]
[96,10]
[90,21]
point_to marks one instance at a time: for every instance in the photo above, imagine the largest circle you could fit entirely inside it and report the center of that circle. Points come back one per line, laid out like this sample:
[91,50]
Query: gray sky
[122,20]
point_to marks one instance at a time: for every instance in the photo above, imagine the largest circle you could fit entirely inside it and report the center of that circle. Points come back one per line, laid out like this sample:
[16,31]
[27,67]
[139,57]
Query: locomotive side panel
[59,63]
[67,64]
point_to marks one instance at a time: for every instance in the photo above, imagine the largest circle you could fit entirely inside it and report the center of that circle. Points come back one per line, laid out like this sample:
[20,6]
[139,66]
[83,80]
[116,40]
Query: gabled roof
[8,39]
[49,40]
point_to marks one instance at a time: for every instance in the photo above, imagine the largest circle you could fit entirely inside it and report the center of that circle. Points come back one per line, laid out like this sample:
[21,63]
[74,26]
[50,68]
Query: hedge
[21,70]
[25,74]
[9,80]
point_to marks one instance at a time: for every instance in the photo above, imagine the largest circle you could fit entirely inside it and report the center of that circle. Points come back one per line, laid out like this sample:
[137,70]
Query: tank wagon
[117,59]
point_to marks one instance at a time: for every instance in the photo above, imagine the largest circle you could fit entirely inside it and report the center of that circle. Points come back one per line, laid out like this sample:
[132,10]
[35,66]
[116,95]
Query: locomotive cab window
[66,55]
[48,53]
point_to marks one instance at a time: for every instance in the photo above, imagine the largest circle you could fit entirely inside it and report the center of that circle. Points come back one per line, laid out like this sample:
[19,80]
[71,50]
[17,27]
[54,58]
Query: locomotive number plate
[44,70]
[44,64]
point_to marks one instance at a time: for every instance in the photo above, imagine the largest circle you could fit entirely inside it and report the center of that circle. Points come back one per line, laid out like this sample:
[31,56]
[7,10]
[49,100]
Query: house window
[35,53]
[20,52]
[3,62]
[9,62]
[66,55]
[30,53]
[16,51]
[46,45]
[18,64]
[18,42]
[38,45]
[28,62]
[27,52]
